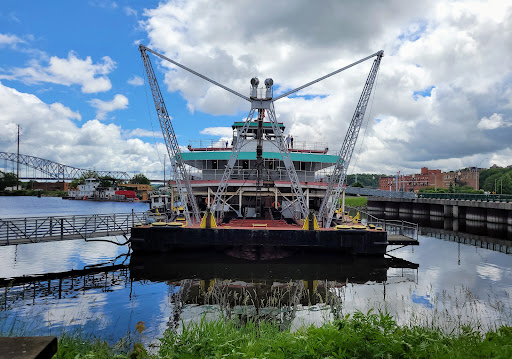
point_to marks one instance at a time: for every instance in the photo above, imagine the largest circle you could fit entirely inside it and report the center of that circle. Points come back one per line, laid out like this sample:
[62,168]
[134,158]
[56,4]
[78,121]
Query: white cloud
[67,71]
[495,121]
[136,81]
[9,39]
[218,131]
[50,131]
[119,102]
[456,48]
[139,132]
[129,11]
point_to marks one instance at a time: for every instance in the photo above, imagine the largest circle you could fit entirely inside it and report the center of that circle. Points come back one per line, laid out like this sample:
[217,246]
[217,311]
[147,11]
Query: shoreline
[356,335]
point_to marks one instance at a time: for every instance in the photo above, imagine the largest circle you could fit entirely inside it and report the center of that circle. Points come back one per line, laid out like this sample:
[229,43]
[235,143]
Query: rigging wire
[150,118]
[367,121]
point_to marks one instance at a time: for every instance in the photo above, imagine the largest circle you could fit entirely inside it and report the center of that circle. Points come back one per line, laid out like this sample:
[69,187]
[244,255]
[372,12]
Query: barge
[259,239]
[265,190]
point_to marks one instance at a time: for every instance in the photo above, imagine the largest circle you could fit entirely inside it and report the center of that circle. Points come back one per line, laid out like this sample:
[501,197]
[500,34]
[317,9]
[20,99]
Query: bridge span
[37,168]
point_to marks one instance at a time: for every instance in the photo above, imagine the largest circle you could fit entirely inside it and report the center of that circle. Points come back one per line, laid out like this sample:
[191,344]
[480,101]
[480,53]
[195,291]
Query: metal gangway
[393,227]
[41,229]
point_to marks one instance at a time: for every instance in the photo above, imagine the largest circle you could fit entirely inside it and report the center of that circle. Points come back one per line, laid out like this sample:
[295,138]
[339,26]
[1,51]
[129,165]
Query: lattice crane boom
[237,146]
[335,185]
[182,177]
[288,163]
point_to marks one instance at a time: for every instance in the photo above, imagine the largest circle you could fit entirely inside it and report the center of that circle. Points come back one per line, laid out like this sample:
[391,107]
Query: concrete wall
[492,212]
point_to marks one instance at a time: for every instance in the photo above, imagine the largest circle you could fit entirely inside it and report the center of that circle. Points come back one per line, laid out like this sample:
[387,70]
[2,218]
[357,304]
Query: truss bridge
[35,168]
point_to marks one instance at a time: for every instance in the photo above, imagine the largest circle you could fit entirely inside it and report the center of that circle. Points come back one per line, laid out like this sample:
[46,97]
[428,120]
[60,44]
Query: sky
[72,77]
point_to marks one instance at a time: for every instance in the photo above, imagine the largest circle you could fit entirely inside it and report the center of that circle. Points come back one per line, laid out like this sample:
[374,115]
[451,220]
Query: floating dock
[259,235]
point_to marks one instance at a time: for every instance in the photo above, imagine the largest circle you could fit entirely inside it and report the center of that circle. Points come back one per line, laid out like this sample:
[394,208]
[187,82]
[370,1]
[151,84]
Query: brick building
[427,178]
[51,186]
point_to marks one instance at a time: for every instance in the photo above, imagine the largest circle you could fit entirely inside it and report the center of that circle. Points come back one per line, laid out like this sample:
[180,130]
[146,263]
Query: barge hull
[171,239]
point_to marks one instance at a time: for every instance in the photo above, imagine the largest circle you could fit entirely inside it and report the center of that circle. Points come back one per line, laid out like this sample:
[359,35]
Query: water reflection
[494,236]
[265,290]
[217,284]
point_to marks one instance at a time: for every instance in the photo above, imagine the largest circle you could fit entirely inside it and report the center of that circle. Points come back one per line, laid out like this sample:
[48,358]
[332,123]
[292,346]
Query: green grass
[358,336]
[355,201]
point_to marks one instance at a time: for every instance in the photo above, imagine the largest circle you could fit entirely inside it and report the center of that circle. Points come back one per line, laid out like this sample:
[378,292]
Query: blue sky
[95,29]
[70,75]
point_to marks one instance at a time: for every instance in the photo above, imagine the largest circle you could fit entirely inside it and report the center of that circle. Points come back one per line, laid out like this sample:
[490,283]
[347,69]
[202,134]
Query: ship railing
[36,229]
[208,144]
[215,145]
[278,174]
[392,226]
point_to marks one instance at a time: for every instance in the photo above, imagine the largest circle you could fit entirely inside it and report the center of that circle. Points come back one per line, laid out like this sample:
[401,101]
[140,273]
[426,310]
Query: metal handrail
[468,196]
[36,229]
[206,144]
[404,228]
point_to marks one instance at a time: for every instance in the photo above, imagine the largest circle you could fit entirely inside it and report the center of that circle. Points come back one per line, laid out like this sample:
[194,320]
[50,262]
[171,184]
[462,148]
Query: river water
[99,288]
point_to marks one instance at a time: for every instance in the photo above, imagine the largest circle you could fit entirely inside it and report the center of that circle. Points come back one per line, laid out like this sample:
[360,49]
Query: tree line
[8,179]
[497,180]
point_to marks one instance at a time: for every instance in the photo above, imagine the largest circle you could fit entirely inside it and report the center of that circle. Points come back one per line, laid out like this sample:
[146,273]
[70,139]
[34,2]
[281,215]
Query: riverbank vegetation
[370,335]
[30,192]
[355,201]
[497,180]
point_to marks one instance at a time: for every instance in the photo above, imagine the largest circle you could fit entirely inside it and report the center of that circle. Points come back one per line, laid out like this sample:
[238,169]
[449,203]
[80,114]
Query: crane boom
[173,149]
[340,169]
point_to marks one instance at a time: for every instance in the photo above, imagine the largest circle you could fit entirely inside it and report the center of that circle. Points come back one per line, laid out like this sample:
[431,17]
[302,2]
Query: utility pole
[18,160]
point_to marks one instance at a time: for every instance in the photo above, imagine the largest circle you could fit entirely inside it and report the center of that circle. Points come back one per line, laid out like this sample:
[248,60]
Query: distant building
[142,190]
[50,186]
[92,189]
[428,178]
[85,190]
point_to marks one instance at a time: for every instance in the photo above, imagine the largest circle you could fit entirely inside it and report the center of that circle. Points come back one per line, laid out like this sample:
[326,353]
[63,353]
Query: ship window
[215,165]
[271,164]
[302,166]
[245,165]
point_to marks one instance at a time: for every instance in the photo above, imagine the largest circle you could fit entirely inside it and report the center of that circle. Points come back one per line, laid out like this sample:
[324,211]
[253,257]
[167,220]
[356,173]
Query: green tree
[366,179]
[140,179]
[502,183]
[357,184]
[494,178]
[450,188]
[30,184]
[8,180]
[107,181]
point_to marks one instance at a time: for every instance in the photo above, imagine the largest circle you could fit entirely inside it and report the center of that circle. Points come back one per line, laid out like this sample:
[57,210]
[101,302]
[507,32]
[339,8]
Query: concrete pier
[491,212]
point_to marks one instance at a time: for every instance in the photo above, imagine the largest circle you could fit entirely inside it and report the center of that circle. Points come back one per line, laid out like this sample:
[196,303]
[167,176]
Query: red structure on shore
[428,178]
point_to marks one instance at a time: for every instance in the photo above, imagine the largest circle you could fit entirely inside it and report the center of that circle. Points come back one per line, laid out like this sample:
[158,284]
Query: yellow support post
[356,218]
[208,221]
[310,223]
